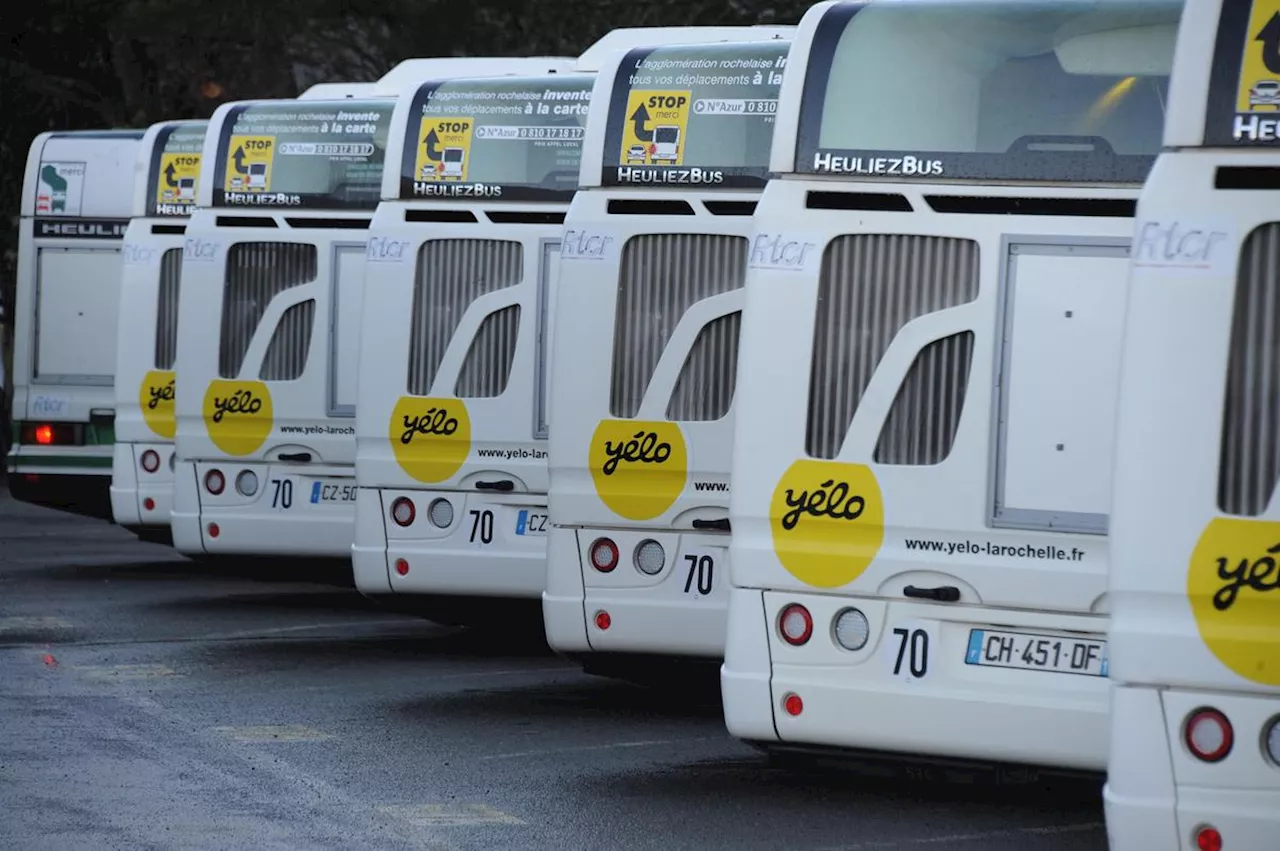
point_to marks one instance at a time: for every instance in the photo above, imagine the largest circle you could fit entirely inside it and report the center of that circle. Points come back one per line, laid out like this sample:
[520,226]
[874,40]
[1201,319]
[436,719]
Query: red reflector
[793,704]
[213,530]
[1208,839]
[149,504]
[44,435]
[603,621]
[402,567]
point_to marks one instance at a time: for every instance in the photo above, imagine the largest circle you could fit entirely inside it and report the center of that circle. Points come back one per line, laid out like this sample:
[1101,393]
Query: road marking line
[263,633]
[1046,830]
[449,815]
[274,733]
[31,624]
[125,672]
[643,744]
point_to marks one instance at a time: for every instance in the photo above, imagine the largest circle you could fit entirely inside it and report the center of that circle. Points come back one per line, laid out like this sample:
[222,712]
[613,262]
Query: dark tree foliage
[86,64]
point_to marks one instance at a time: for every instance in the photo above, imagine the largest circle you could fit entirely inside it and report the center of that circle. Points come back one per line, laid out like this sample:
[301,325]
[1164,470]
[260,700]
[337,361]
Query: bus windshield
[1028,90]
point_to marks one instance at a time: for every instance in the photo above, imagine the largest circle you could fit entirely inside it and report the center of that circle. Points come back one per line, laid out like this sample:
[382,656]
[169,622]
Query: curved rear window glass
[174,175]
[506,138]
[1244,83]
[309,154]
[694,115]
[1059,91]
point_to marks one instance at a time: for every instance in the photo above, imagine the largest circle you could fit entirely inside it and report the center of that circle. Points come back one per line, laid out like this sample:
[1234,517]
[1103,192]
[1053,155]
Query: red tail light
[402,511]
[44,434]
[604,555]
[1208,735]
[214,482]
[795,624]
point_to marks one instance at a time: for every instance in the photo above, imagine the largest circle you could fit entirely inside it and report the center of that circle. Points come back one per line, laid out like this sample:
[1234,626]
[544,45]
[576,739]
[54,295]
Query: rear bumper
[250,526]
[664,615]
[131,487]
[1147,805]
[88,495]
[854,701]
[487,550]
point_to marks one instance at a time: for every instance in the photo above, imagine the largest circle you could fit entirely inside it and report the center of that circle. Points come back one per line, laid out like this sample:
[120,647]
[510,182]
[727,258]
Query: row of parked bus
[887,358]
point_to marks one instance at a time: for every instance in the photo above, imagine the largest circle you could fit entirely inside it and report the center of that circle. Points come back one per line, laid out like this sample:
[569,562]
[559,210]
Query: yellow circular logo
[1234,587]
[639,467]
[237,415]
[430,437]
[827,520]
[156,398]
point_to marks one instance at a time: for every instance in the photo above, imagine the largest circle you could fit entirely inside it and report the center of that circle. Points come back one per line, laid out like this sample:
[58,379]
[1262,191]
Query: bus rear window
[1060,91]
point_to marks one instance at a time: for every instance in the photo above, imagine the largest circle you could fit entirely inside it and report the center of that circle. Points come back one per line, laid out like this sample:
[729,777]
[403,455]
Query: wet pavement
[151,702]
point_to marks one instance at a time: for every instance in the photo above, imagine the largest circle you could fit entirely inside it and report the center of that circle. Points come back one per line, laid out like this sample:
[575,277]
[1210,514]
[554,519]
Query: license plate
[1034,652]
[531,523]
[323,492]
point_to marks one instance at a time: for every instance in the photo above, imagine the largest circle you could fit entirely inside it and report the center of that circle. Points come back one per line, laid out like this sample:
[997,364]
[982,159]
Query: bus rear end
[644,355]
[142,472]
[927,380]
[272,269]
[76,201]
[451,432]
[1195,630]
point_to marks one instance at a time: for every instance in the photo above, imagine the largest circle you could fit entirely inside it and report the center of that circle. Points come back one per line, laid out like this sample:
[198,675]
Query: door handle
[502,485]
[943,593]
[302,457]
[721,523]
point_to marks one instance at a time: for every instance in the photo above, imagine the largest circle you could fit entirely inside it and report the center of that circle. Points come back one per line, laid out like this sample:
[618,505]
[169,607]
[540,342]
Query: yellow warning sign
[1258,89]
[249,163]
[654,132]
[444,149]
[179,174]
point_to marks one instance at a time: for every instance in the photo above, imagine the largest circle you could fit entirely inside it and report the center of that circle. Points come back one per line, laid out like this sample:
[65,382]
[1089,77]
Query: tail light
[792,703]
[52,434]
[1208,735]
[604,555]
[795,624]
[402,511]
[214,482]
[1271,740]
[1208,838]
[150,461]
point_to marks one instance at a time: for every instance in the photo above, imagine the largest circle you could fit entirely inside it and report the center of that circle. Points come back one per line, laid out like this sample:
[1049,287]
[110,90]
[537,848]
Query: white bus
[642,375]
[272,271]
[451,515]
[76,202]
[165,181]
[1195,527]
[928,377]
[165,175]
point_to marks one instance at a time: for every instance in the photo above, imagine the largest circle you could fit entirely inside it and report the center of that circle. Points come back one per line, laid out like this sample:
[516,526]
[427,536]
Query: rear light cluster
[648,557]
[403,512]
[850,628]
[52,434]
[214,482]
[1209,736]
[246,482]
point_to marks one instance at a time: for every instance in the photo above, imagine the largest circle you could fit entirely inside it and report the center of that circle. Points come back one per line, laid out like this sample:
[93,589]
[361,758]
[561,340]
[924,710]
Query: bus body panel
[75,207]
[928,381]
[1171,659]
[990,507]
[497,549]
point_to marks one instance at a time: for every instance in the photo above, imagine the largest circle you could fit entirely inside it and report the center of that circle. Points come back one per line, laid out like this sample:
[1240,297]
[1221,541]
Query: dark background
[92,64]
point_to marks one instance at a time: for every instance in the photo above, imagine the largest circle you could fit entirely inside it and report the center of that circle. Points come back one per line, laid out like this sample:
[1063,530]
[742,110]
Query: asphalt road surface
[148,702]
